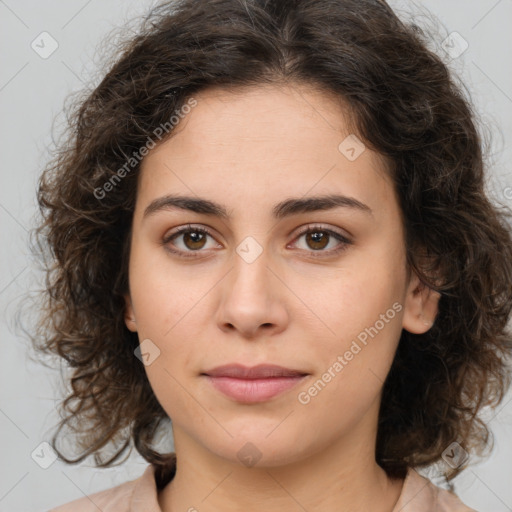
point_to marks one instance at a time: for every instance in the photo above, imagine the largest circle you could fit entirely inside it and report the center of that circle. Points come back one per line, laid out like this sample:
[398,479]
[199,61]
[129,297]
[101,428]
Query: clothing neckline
[418,493]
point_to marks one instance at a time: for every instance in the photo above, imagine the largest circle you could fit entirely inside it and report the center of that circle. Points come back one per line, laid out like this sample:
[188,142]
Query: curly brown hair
[404,103]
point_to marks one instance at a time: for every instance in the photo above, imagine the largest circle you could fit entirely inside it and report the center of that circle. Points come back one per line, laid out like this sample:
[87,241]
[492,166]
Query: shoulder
[119,498]
[419,494]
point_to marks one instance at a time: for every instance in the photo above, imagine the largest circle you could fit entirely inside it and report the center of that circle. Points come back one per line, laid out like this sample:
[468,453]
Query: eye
[318,237]
[194,239]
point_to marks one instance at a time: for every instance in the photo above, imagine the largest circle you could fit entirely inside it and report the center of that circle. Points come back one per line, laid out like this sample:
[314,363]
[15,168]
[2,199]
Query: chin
[256,448]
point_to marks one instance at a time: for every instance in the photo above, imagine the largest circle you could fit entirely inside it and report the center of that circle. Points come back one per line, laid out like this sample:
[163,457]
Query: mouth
[253,384]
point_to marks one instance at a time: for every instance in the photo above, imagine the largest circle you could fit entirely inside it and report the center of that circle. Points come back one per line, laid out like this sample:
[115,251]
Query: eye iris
[195,237]
[195,240]
[315,236]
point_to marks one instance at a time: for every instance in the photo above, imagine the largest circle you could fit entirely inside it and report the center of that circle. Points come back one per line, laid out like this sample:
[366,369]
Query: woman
[269,232]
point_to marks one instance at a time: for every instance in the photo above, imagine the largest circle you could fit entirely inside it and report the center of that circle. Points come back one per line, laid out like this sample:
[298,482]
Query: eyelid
[312,226]
[343,239]
[188,228]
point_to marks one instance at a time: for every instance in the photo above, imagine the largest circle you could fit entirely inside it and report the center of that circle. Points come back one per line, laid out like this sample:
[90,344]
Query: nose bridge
[251,261]
[250,297]
[250,288]
[254,240]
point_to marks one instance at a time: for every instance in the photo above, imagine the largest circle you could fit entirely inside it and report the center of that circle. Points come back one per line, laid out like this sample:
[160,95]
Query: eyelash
[345,242]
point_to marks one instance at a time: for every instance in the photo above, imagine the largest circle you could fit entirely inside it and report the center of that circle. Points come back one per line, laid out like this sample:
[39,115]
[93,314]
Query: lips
[262,371]
[255,384]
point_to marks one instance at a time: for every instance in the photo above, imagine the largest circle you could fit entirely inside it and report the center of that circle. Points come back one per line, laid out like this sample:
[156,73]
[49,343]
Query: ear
[129,314]
[421,306]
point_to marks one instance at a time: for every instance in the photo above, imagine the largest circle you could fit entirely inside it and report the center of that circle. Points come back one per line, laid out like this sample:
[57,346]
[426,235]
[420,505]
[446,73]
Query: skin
[249,149]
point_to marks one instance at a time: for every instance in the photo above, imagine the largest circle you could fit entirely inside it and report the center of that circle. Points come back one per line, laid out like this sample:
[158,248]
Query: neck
[343,477]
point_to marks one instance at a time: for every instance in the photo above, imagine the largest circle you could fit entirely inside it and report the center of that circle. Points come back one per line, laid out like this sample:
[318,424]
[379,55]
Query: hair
[403,103]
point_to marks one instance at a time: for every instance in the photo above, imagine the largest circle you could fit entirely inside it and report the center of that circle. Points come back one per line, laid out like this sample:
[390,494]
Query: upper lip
[260,371]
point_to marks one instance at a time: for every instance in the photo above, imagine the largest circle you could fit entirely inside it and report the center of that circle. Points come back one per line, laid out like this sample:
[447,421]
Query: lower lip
[254,390]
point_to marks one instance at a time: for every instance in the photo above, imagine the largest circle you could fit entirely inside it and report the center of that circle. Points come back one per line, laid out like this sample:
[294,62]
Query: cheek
[353,368]
[354,297]
[362,309]
[166,387]
[162,294]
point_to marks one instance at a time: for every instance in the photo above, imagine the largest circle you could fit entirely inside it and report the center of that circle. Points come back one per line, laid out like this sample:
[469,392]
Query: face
[320,288]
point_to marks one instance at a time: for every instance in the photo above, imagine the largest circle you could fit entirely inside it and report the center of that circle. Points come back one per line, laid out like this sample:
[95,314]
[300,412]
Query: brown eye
[194,239]
[318,238]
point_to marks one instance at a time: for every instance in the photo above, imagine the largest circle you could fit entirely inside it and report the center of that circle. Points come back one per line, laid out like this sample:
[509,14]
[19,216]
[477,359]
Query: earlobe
[421,307]
[129,315]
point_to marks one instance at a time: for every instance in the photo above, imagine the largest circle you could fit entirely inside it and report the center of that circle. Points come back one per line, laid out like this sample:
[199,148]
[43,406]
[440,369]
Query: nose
[253,297]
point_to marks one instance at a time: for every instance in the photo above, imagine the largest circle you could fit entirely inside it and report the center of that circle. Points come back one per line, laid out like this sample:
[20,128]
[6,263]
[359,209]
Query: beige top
[140,495]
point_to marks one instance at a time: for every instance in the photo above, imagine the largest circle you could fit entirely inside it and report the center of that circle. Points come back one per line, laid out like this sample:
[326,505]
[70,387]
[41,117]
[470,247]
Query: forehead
[262,143]
[290,119]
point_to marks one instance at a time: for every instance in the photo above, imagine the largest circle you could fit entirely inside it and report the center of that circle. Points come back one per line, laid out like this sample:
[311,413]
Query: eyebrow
[286,208]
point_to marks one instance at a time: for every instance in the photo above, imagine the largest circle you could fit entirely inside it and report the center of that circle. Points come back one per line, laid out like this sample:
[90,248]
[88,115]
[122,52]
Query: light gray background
[32,91]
